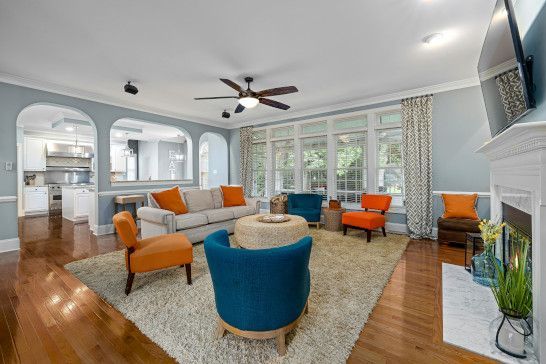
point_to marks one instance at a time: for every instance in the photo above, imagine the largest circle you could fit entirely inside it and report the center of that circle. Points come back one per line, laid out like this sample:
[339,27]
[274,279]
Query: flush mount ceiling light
[69,128]
[249,102]
[433,38]
[119,135]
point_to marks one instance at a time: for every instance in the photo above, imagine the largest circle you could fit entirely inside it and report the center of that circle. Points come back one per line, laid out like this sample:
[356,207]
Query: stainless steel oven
[55,198]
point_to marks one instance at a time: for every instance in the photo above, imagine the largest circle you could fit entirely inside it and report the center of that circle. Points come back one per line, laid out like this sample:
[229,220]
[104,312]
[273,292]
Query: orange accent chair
[366,220]
[158,252]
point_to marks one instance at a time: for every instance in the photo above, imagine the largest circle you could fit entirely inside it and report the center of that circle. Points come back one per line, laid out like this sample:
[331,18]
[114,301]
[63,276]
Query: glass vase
[483,267]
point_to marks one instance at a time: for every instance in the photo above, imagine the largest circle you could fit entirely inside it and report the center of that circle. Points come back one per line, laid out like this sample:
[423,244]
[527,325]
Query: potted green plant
[483,265]
[514,297]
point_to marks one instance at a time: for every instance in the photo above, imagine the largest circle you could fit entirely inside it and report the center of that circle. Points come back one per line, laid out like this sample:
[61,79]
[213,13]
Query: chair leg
[281,345]
[383,230]
[188,273]
[368,235]
[129,285]
[318,225]
[344,229]
[220,331]
[307,307]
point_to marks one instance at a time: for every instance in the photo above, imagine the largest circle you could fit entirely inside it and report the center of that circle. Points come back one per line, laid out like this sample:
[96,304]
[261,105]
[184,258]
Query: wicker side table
[278,204]
[332,219]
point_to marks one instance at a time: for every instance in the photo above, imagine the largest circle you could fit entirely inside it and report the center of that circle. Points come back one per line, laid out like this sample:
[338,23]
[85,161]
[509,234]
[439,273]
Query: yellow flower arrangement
[490,231]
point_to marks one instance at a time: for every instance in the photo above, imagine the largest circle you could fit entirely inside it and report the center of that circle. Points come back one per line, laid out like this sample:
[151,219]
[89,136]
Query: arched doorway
[213,160]
[56,147]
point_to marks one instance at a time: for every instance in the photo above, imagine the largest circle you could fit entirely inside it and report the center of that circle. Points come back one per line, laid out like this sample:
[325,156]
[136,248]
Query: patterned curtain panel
[417,162]
[246,159]
[511,92]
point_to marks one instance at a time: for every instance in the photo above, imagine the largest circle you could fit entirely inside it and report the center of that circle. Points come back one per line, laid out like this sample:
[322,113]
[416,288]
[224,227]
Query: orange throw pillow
[170,200]
[233,196]
[460,206]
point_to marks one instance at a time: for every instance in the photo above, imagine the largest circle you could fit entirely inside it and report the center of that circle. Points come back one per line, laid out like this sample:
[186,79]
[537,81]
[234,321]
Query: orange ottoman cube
[366,220]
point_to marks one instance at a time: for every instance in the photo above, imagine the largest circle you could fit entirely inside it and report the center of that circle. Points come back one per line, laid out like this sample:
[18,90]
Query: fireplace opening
[518,228]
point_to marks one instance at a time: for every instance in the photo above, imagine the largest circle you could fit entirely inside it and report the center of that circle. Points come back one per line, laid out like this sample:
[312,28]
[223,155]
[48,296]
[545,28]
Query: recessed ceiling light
[69,128]
[119,135]
[433,38]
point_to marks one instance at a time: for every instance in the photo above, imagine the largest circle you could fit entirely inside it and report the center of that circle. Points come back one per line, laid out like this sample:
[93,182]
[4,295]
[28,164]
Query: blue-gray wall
[534,43]
[459,127]
[13,99]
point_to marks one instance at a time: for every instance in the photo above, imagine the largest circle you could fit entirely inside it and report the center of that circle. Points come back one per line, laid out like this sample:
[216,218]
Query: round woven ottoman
[250,233]
[332,219]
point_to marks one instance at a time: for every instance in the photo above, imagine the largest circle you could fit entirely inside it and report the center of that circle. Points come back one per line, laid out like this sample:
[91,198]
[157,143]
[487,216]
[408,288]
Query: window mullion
[331,184]
[298,164]
[371,180]
[269,173]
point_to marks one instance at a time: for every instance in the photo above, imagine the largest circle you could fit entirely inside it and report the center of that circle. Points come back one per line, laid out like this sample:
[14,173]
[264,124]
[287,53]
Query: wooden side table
[123,200]
[332,219]
[473,246]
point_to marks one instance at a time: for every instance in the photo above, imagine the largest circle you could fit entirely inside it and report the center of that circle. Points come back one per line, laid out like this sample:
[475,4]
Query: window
[351,166]
[313,128]
[258,169]
[204,164]
[283,166]
[315,165]
[340,157]
[282,132]
[389,163]
[352,122]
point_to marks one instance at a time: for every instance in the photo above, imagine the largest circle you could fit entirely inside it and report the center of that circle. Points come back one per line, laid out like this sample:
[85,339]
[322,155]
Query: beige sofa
[206,215]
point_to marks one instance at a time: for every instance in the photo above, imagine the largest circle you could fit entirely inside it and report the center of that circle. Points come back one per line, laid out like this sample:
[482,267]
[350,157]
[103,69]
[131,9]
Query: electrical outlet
[8,166]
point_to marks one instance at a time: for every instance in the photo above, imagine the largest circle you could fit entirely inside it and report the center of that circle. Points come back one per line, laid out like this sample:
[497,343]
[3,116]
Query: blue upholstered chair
[306,205]
[262,293]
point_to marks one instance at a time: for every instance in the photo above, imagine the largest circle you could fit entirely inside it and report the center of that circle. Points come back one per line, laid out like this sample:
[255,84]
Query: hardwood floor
[47,315]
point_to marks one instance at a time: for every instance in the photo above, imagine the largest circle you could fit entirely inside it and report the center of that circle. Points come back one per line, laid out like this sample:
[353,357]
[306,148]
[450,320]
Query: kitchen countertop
[89,187]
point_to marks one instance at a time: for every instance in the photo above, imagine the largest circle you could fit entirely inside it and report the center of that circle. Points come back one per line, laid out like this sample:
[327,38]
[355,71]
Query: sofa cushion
[240,211]
[170,200]
[190,220]
[217,197]
[233,196]
[217,215]
[198,200]
[153,203]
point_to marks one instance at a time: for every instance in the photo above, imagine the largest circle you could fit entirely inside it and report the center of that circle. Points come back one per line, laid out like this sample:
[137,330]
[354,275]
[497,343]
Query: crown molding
[91,96]
[498,69]
[442,87]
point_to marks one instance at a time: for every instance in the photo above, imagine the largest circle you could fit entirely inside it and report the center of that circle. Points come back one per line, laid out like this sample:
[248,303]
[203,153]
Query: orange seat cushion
[170,200]
[233,196]
[460,206]
[160,252]
[363,219]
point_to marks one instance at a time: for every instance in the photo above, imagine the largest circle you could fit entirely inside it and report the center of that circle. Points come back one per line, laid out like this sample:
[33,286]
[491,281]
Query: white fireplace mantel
[518,177]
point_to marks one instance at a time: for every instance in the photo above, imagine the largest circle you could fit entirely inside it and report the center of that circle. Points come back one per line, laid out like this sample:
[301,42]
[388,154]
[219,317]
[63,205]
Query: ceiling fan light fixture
[249,102]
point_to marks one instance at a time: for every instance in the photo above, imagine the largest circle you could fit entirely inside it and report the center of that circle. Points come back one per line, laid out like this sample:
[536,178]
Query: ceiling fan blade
[278,91]
[232,84]
[216,97]
[273,103]
[239,108]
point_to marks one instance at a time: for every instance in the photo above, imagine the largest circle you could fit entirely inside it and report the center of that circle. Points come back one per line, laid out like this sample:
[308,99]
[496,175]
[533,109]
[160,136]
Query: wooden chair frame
[278,334]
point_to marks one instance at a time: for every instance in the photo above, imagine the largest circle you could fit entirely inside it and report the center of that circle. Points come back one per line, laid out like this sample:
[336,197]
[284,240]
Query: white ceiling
[334,52]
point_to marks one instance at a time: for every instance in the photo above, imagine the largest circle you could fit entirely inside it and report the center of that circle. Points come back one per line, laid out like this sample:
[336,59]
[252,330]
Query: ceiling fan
[249,99]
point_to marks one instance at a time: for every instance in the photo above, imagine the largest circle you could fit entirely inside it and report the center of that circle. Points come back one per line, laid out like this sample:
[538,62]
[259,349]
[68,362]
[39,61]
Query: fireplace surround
[518,180]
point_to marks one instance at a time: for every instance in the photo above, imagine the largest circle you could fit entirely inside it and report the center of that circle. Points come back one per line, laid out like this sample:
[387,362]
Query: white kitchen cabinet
[34,154]
[77,203]
[118,163]
[36,200]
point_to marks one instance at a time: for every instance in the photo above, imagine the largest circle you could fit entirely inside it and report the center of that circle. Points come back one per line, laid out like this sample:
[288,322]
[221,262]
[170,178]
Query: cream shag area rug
[347,278]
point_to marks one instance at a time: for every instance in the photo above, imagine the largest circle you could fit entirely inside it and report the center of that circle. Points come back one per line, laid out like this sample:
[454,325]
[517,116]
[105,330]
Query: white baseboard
[104,229]
[434,233]
[8,245]
[393,227]
[99,230]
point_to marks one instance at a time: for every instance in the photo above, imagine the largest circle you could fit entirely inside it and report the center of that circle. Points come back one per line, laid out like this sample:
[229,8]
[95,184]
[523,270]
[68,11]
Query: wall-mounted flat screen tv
[505,73]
